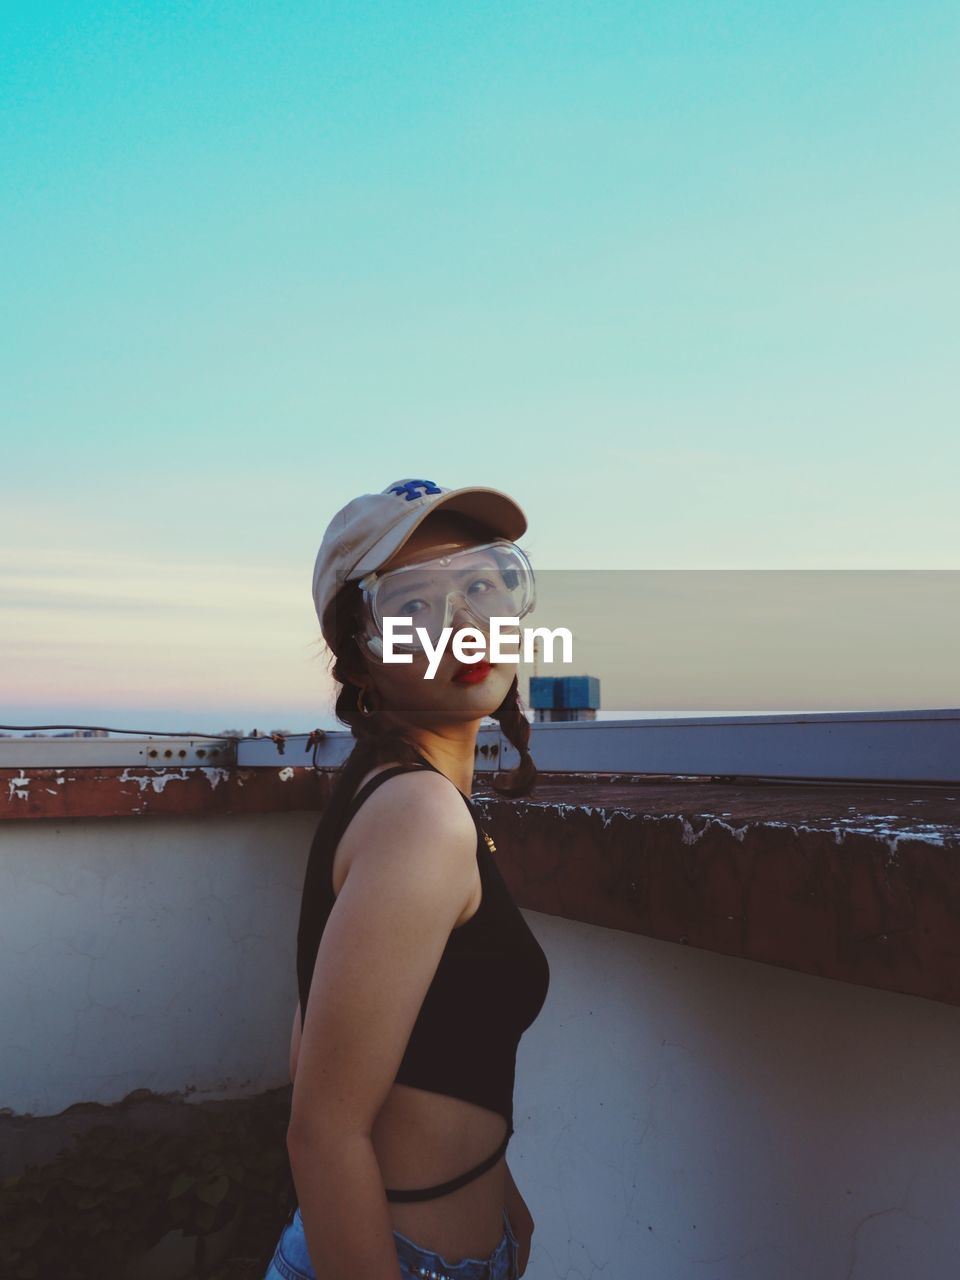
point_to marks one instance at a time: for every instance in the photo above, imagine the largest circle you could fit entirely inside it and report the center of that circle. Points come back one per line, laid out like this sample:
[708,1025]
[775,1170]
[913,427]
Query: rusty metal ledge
[142,791]
[856,883]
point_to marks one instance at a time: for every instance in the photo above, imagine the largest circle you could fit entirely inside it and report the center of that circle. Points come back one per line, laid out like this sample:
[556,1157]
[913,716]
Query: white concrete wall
[682,1115]
[147,954]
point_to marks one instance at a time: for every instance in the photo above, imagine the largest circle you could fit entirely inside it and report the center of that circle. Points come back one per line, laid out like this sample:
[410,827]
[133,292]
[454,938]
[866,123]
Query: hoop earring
[361,705]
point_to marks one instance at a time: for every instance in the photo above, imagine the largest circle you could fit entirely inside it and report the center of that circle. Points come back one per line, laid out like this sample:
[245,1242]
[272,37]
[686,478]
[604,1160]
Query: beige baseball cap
[368,530]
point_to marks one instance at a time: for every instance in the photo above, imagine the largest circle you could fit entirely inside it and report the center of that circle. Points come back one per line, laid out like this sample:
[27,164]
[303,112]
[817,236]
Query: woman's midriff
[422,1139]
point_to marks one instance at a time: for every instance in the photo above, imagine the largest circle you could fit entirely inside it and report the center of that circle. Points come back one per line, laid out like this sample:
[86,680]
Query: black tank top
[489,985]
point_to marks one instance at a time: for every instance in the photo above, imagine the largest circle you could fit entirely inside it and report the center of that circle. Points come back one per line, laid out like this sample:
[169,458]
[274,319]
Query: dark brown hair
[381,738]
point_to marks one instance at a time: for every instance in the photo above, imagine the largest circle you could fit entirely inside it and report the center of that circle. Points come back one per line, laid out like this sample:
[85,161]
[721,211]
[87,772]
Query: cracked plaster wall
[683,1115]
[147,955]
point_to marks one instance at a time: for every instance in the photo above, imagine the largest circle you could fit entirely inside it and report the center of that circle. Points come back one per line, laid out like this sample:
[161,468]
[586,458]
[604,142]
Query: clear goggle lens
[464,588]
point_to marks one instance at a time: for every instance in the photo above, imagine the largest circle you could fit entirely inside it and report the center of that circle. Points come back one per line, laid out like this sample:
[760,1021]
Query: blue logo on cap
[409,489]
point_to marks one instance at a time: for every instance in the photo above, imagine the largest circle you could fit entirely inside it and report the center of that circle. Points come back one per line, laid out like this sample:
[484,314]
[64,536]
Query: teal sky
[681,278]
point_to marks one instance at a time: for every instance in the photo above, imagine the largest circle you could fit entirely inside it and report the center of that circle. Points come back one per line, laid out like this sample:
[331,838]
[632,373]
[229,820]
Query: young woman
[417,973]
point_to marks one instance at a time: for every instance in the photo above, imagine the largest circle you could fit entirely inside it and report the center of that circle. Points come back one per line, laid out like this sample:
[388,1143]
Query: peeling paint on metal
[215,775]
[158,780]
[19,787]
[690,836]
[605,812]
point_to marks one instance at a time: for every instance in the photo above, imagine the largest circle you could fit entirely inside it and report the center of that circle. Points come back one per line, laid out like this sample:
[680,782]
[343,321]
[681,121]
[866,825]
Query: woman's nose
[462,617]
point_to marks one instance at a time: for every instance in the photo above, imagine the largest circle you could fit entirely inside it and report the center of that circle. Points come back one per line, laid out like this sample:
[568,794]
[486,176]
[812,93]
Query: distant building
[564,697]
[68,733]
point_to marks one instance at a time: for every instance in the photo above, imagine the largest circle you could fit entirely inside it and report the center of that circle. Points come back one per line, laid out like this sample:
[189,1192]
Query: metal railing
[878,746]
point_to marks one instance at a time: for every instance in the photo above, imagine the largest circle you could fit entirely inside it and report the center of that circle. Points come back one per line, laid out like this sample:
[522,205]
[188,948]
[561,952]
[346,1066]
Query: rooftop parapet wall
[854,882]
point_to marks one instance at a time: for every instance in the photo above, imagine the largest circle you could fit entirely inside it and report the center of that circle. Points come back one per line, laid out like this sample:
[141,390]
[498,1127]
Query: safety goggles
[471,584]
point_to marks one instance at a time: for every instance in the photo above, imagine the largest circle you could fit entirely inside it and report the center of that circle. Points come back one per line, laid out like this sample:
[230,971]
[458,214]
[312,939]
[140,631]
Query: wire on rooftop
[140,733]
[314,738]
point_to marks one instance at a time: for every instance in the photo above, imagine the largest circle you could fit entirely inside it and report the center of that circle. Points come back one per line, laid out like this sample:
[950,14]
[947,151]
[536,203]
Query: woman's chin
[482,696]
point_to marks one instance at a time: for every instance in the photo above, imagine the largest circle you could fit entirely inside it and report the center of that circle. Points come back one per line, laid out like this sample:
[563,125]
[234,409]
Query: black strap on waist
[444,1188]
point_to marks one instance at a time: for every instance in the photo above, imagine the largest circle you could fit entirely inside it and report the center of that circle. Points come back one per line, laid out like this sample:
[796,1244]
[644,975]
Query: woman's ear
[353,665]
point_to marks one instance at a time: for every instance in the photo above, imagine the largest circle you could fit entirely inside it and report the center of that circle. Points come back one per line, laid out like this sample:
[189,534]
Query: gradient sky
[682,278]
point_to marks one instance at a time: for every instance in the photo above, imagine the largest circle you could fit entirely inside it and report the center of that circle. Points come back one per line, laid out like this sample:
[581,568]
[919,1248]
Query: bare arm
[341,1195]
[379,951]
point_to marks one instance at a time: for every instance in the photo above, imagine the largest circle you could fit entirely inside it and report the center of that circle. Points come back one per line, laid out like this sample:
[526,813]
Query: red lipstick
[473,673]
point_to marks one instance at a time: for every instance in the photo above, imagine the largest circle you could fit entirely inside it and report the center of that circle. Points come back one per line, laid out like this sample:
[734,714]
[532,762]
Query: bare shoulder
[369,775]
[417,809]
